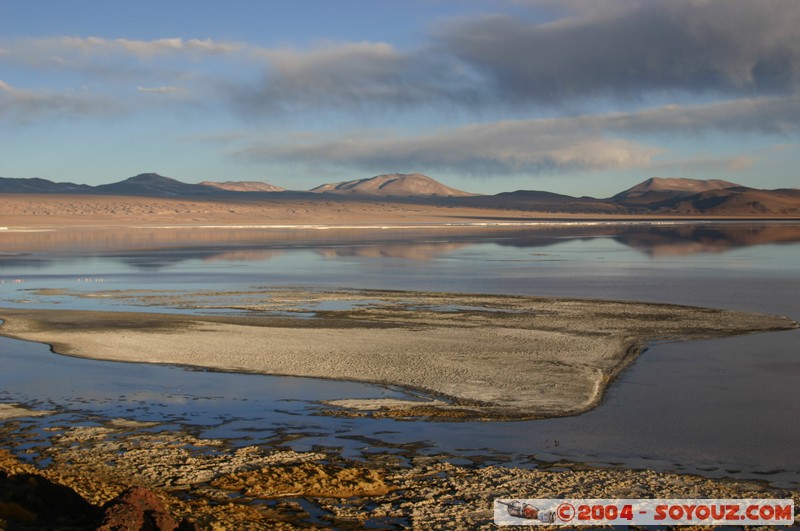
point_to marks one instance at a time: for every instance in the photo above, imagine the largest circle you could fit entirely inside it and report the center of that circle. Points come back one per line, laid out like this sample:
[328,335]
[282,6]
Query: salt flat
[483,356]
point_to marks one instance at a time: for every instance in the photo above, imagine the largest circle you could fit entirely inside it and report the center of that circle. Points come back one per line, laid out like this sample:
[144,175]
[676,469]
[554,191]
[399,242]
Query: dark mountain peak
[153,184]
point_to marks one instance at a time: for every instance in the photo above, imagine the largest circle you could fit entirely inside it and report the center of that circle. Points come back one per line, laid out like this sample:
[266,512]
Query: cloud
[122,62]
[555,54]
[92,77]
[702,163]
[484,149]
[634,48]
[622,49]
[62,49]
[740,163]
[161,90]
[24,106]
[768,115]
[364,74]
[160,46]
[552,145]
[559,53]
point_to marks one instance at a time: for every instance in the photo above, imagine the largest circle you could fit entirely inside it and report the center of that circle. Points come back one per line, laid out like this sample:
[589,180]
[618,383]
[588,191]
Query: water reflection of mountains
[671,239]
[682,240]
[151,249]
[401,250]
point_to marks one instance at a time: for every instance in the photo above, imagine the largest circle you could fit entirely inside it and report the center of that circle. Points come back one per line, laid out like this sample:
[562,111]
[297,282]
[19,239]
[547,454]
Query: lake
[723,407]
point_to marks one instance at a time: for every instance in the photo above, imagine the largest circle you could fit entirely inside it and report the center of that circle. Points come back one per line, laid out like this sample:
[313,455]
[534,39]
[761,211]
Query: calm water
[725,407]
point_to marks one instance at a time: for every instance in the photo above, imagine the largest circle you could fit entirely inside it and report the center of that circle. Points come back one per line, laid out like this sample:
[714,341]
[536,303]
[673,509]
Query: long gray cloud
[555,145]
[508,147]
[23,106]
[766,115]
[53,51]
[115,68]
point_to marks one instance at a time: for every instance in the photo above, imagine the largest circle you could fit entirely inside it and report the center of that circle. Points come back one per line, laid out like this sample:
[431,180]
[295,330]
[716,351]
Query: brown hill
[660,189]
[671,184]
[243,186]
[393,184]
[738,201]
[712,197]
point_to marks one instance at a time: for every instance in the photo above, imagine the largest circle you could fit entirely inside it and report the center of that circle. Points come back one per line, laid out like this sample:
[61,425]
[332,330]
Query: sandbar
[472,356]
[12,411]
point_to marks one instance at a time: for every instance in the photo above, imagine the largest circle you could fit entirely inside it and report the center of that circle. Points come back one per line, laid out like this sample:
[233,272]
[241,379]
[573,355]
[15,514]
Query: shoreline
[487,356]
[535,221]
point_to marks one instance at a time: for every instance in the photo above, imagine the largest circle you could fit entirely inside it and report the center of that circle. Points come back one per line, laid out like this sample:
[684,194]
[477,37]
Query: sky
[581,97]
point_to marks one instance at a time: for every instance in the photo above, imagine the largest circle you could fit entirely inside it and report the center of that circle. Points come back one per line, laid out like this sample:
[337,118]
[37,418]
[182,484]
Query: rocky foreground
[122,475]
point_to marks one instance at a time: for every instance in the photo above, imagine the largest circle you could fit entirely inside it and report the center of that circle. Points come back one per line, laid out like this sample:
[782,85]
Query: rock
[31,501]
[140,509]
[305,479]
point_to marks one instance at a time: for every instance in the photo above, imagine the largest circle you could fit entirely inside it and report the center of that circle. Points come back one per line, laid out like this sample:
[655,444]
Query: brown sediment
[10,411]
[483,356]
[305,479]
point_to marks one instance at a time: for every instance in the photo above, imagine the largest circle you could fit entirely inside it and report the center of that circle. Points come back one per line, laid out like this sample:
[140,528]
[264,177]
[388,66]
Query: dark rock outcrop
[31,501]
[141,509]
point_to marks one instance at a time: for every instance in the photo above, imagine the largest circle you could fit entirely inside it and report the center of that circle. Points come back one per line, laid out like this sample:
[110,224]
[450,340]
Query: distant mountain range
[41,186]
[653,196]
[146,184]
[661,196]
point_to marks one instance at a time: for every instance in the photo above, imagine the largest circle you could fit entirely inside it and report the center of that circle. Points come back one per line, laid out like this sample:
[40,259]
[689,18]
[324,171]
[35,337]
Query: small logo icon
[518,509]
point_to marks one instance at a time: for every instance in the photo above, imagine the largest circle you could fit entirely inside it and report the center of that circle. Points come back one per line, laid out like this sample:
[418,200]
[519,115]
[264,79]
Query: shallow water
[725,407]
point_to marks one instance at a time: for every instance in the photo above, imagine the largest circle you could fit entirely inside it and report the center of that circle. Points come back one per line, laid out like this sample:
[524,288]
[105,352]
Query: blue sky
[584,97]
